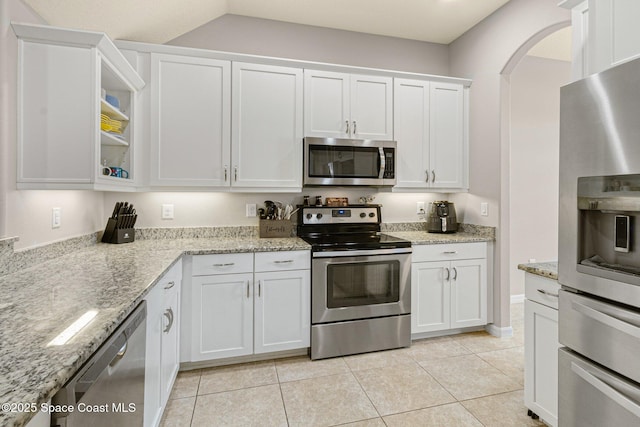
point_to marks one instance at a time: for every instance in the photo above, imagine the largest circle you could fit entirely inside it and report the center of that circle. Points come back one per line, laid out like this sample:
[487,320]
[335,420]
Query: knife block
[117,235]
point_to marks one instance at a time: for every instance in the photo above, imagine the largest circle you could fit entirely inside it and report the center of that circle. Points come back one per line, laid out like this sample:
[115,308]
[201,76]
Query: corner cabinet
[62,140]
[430,121]
[341,105]
[162,358]
[238,310]
[448,286]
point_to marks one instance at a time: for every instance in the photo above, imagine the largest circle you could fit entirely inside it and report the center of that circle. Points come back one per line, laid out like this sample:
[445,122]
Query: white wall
[27,214]
[200,209]
[481,54]
[535,124]
[266,37]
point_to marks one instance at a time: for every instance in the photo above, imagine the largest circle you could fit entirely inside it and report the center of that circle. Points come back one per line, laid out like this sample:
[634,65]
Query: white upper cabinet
[67,132]
[605,34]
[430,128]
[190,121]
[266,127]
[341,105]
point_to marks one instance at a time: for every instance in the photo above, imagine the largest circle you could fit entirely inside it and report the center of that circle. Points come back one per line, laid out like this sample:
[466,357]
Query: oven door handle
[372,252]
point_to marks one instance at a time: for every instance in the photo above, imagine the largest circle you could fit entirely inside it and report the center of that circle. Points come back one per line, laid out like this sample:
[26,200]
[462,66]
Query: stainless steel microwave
[342,162]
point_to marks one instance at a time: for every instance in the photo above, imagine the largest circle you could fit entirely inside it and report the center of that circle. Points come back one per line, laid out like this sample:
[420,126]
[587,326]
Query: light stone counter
[41,301]
[545,269]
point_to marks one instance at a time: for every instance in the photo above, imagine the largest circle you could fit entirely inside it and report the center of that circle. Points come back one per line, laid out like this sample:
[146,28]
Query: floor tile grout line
[367,394]
[284,405]
[195,402]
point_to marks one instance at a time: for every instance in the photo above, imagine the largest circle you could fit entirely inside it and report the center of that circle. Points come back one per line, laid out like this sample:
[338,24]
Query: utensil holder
[277,228]
[117,235]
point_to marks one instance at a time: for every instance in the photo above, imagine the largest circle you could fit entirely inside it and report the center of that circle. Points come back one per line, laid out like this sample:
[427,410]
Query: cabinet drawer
[541,290]
[287,260]
[449,251]
[170,282]
[204,265]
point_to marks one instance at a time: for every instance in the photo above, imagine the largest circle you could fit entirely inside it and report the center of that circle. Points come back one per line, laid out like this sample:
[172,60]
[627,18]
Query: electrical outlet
[484,209]
[167,211]
[56,217]
[532,260]
[251,210]
[420,208]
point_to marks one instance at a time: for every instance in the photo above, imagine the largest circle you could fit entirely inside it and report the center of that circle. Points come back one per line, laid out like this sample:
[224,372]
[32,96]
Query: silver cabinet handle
[225,173]
[551,294]
[169,314]
[455,273]
[170,285]
[120,354]
[355,129]
[427,173]
[347,122]
[236,173]
[259,288]
[448,273]
[450,252]
[283,262]
[247,289]
[226,264]
[433,176]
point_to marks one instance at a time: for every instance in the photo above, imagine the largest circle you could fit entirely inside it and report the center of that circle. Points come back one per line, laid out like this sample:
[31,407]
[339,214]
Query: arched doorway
[513,217]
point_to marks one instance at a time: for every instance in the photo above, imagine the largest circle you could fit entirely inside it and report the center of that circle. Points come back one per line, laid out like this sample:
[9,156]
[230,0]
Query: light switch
[56,217]
[420,208]
[167,211]
[484,209]
[251,210]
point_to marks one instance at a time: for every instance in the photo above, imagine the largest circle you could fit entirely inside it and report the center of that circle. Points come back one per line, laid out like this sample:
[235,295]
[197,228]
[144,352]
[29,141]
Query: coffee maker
[442,218]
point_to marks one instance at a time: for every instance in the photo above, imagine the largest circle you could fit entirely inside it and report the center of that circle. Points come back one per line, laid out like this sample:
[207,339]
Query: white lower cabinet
[541,347]
[448,286]
[245,313]
[162,346]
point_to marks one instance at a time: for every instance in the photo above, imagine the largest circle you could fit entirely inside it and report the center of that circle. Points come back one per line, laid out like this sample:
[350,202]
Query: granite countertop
[41,301]
[425,238]
[547,269]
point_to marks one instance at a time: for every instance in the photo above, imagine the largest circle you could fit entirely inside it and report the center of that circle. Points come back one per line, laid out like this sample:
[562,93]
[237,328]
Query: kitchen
[197,209]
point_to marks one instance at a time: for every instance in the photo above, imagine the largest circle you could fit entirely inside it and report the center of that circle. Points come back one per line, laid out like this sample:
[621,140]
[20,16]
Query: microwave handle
[383,163]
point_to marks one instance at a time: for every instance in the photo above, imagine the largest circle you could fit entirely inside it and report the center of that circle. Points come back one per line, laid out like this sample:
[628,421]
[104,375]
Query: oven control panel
[340,215]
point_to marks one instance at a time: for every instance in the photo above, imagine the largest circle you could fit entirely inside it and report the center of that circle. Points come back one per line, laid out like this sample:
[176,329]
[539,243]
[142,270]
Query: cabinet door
[541,361]
[221,316]
[468,293]
[266,127]
[430,296]
[326,104]
[447,150]
[170,341]
[190,121]
[614,36]
[282,311]
[411,130]
[372,107]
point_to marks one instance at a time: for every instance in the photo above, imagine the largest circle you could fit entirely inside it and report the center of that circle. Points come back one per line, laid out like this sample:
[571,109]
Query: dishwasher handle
[108,355]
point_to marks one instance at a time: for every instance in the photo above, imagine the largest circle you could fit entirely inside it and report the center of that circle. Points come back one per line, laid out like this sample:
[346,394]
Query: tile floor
[470,379]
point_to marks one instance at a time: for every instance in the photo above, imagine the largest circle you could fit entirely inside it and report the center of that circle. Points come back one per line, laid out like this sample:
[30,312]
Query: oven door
[349,285]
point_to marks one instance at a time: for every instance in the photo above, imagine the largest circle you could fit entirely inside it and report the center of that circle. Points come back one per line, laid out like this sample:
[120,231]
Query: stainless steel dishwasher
[109,389]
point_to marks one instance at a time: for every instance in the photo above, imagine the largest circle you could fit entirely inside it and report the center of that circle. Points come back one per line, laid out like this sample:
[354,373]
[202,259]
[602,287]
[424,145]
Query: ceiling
[158,21]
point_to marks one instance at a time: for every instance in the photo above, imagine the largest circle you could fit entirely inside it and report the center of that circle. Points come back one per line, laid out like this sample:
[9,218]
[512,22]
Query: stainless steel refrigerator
[599,250]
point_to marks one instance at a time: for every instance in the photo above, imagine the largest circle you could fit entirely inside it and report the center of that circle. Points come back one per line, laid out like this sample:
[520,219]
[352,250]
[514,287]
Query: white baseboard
[517,298]
[494,330]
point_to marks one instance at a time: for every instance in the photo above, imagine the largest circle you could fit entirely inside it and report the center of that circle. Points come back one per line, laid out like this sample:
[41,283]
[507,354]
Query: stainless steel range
[360,281]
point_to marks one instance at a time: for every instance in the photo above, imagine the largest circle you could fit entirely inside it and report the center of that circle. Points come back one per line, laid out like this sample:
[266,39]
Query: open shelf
[112,111]
[108,139]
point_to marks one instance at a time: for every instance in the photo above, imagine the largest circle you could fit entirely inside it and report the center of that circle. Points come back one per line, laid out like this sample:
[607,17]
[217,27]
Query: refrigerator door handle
[607,390]
[607,319]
